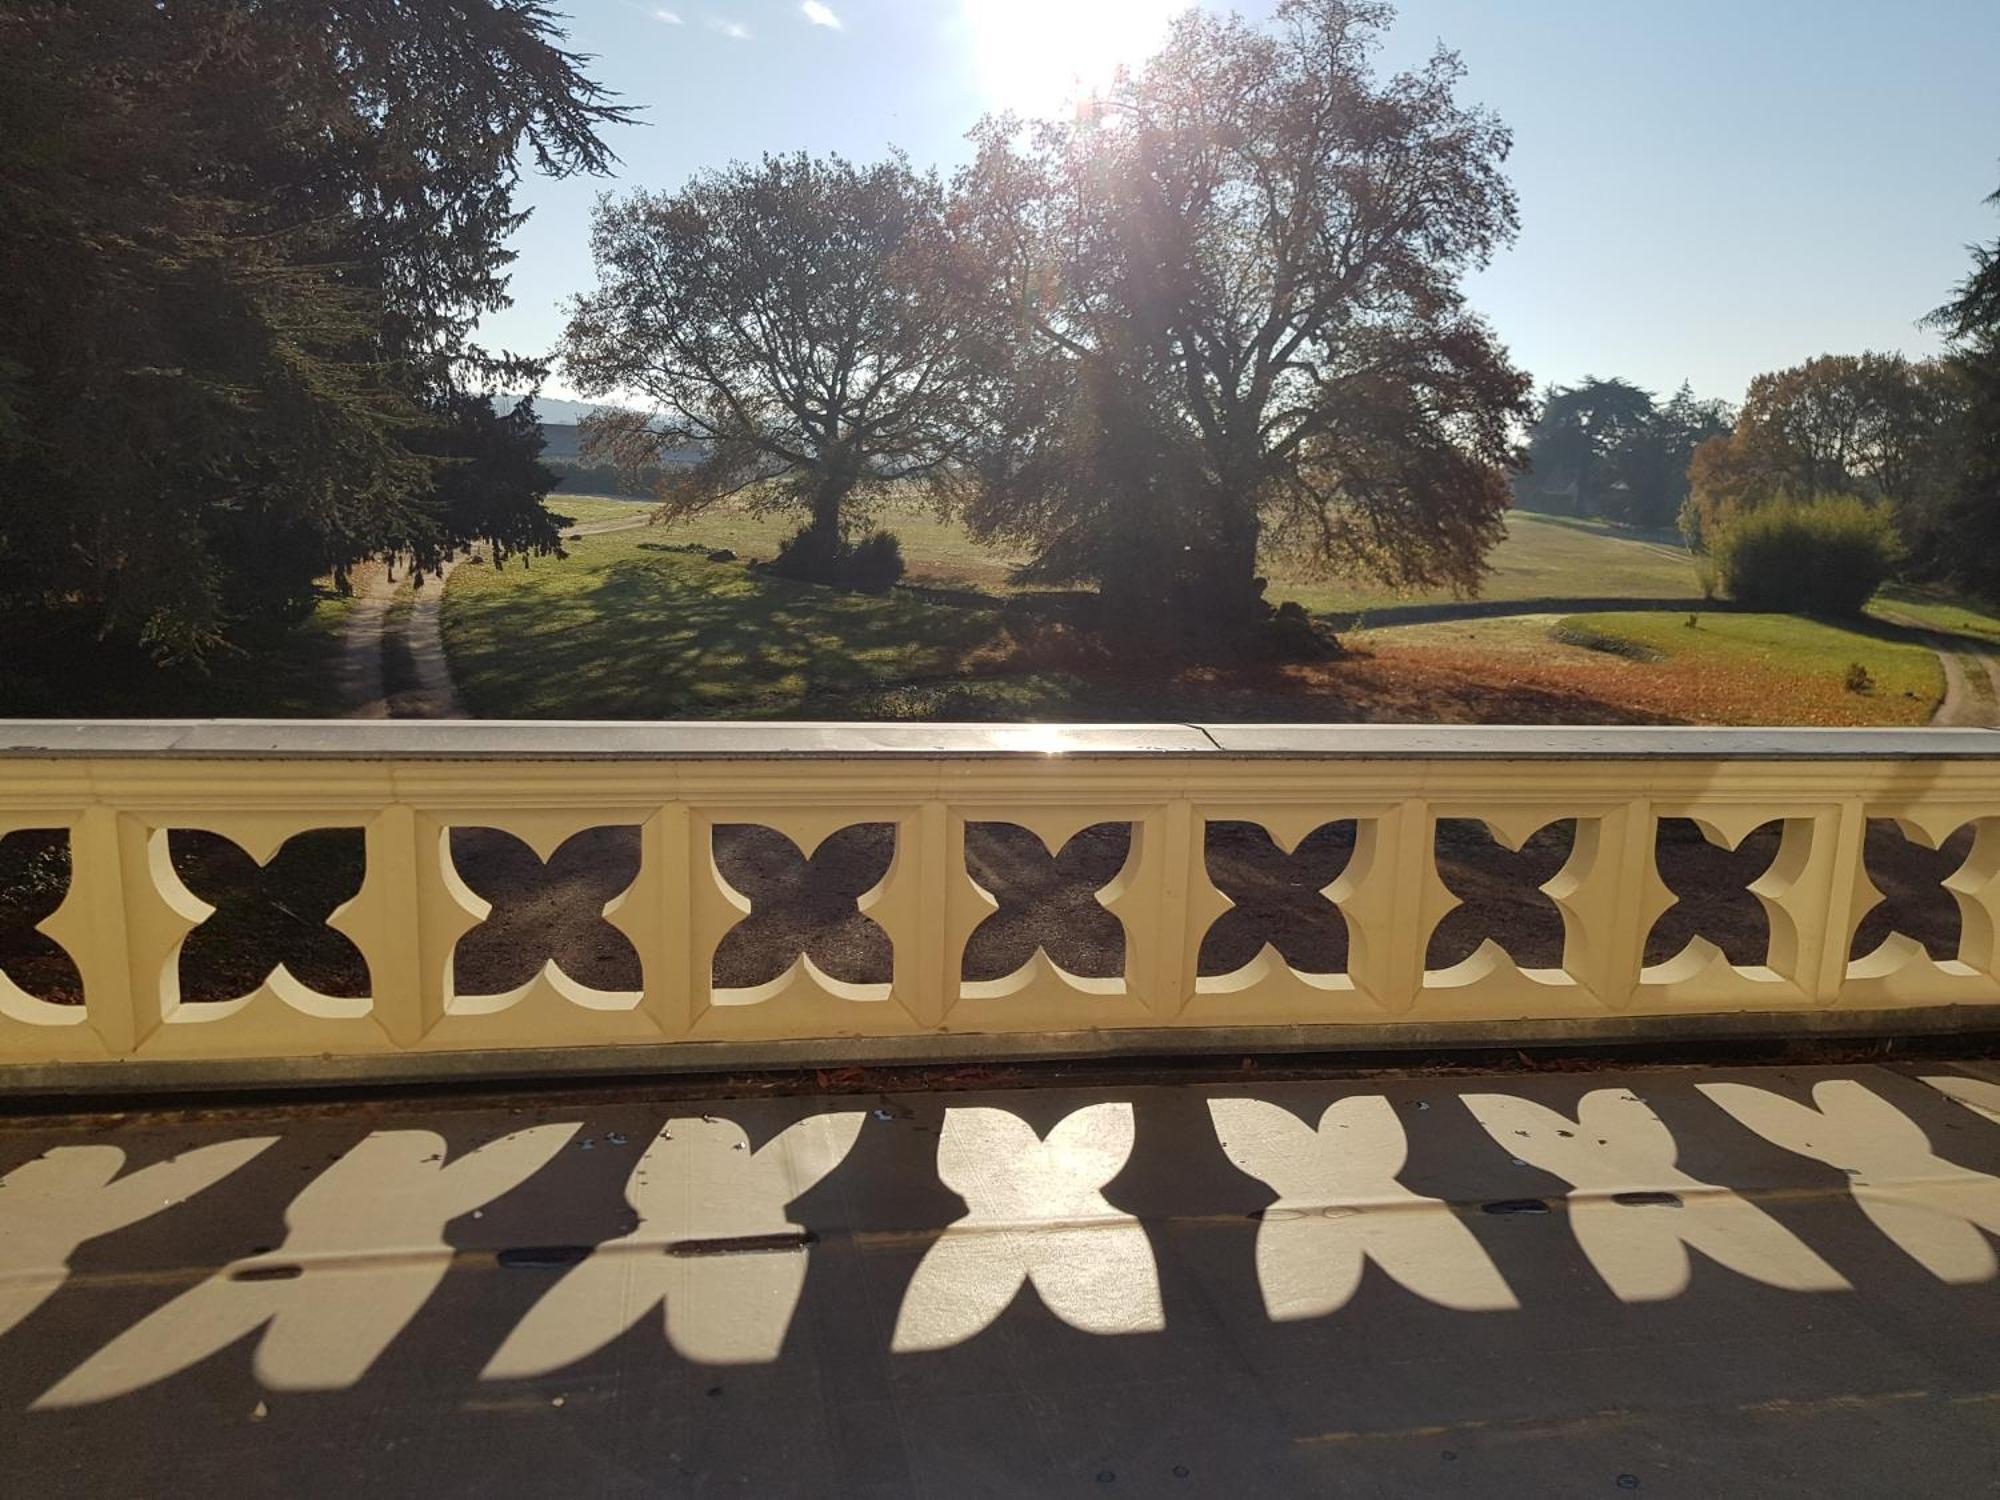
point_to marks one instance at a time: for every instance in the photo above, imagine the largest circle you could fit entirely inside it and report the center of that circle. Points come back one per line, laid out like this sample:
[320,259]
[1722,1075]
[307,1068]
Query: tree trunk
[1233,589]
[814,553]
[825,525]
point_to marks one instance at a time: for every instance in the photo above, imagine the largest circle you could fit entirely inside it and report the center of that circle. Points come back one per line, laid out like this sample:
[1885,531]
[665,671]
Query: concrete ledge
[599,741]
[86,1080]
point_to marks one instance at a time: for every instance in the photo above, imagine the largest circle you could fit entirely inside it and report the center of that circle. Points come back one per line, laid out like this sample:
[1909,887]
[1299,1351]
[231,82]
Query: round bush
[872,565]
[1825,557]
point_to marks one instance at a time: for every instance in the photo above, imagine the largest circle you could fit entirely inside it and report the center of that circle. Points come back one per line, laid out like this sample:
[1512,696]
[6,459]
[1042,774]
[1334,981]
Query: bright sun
[1034,56]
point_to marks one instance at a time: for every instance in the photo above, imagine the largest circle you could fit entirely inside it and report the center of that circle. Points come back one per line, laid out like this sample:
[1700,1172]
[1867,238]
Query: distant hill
[553,412]
[562,452]
[562,441]
[551,408]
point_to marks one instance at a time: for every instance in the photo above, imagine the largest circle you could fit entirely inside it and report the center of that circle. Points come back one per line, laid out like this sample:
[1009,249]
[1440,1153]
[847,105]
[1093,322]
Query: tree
[1595,450]
[1679,428]
[1866,424]
[1233,315]
[491,480]
[780,319]
[1970,520]
[245,245]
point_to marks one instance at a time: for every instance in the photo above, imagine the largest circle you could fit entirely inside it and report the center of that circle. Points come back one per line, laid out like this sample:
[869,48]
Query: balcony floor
[847,1314]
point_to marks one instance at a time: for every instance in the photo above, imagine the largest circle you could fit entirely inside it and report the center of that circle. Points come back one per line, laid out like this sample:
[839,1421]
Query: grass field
[628,627]
[1939,612]
[936,551]
[634,625]
[589,510]
[631,625]
[1727,668]
[1541,558]
[1773,669]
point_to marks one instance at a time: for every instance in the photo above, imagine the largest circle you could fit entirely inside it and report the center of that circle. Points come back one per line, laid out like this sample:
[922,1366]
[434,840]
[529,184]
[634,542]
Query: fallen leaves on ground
[1394,683]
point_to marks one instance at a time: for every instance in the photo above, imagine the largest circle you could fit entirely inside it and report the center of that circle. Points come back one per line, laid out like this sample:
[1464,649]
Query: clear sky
[1709,188]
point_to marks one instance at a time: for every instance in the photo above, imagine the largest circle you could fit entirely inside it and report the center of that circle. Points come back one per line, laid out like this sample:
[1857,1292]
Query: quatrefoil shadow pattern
[1046,901]
[1914,900]
[1500,893]
[34,879]
[801,905]
[545,911]
[1277,898]
[1712,895]
[270,914]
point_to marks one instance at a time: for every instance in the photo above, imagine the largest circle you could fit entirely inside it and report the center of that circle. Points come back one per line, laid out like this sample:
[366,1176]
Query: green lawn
[935,551]
[1933,610]
[1769,668]
[629,628]
[588,510]
[1540,558]
[639,625]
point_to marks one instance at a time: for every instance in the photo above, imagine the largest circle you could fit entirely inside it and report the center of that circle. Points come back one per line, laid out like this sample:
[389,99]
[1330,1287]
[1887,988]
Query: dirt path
[392,663]
[361,636]
[392,657]
[423,689]
[1971,689]
[1971,678]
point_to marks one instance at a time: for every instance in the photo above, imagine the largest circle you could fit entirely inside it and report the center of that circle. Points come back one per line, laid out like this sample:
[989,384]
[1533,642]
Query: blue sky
[1708,189]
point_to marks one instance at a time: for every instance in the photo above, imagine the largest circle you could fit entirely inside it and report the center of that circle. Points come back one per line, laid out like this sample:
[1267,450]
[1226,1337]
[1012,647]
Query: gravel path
[360,667]
[1971,678]
[393,664]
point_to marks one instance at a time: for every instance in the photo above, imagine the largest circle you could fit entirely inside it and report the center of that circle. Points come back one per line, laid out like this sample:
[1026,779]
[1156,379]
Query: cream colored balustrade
[117,790]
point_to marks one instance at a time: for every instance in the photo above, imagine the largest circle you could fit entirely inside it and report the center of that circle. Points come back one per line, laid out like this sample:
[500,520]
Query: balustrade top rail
[613,740]
[1814,804]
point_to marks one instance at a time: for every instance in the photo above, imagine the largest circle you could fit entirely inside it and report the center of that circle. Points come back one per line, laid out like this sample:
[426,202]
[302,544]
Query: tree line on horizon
[1900,436]
[1218,313]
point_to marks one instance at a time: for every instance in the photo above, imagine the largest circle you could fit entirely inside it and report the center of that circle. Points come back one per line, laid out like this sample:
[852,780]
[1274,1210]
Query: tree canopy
[1875,425]
[783,319]
[245,244]
[1607,448]
[1969,527]
[1232,301]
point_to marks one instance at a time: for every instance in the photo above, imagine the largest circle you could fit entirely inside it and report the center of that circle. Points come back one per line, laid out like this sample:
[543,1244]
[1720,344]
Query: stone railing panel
[119,793]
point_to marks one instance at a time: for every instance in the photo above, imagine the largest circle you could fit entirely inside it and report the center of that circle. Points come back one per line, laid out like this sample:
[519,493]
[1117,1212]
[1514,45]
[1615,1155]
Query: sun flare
[1034,56]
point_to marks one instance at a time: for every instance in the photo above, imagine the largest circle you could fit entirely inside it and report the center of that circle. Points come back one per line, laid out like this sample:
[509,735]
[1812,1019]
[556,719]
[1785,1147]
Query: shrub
[872,565]
[1827,556]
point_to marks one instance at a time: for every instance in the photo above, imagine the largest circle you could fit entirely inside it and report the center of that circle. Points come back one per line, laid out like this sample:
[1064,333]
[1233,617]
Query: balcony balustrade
[116,792]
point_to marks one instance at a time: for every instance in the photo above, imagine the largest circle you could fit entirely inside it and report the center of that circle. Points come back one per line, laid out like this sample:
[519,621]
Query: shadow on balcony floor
[1749,1281]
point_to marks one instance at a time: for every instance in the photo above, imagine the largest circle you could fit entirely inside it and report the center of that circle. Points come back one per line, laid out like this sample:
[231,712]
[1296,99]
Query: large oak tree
[1233,289]
[783,320]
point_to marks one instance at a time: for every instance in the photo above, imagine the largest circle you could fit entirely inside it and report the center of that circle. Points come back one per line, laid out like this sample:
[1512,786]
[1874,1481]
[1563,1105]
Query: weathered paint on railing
[117,789]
